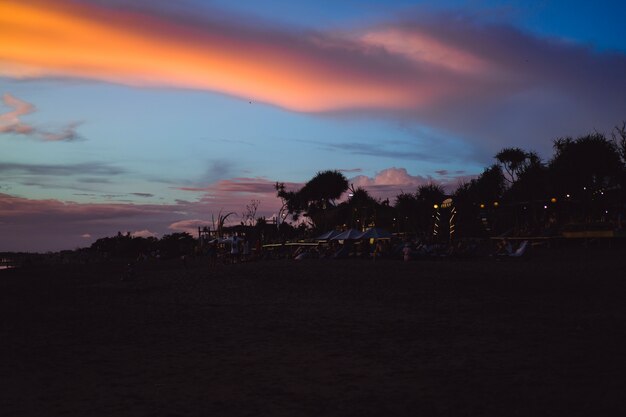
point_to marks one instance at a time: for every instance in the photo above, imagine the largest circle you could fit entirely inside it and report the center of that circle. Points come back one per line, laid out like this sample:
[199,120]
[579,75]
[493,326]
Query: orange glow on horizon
[67,40]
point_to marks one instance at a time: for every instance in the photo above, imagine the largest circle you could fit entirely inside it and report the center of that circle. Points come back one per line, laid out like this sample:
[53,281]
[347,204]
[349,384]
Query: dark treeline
[581,185]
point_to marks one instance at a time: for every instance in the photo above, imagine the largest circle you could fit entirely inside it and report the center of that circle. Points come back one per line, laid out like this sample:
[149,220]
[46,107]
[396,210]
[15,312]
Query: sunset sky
[153,118]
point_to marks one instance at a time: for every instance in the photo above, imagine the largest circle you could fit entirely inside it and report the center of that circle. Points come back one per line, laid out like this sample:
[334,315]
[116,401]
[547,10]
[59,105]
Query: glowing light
[436,206]
[482,205]
[553,200]
[447,203]
[496,204]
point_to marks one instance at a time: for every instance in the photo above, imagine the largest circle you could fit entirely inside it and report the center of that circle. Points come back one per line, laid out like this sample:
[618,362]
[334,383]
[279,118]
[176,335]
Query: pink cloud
[144,233]
[62,225]
[10,122]
[392,181]
[389,182]
[235,193]
[190,226]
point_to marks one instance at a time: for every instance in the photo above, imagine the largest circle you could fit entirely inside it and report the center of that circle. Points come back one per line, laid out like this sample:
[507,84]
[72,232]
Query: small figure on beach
[234,249]
[504,247]
[246,249]
[129,272]
[406,252]
[212,253]
[378,250]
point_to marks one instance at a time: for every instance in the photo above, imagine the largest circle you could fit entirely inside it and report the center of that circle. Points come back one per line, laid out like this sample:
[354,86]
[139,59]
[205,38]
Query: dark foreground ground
[544,337]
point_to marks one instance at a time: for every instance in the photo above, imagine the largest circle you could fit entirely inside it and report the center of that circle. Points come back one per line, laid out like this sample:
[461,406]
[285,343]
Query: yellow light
[553,200]
[482,205]
[496,204]
[436,206]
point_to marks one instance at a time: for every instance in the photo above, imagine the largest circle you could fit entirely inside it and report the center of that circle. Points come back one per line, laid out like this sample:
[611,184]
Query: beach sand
[544,337]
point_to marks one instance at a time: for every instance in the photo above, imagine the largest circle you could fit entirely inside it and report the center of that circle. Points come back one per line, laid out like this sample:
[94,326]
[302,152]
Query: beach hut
[375,233]
[328,235]
[350,234]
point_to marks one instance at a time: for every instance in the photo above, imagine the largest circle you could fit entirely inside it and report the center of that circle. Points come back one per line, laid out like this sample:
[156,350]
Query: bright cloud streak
[78,40]
[445,71]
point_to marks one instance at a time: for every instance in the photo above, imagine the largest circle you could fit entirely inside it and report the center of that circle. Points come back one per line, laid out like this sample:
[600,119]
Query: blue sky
[182,146]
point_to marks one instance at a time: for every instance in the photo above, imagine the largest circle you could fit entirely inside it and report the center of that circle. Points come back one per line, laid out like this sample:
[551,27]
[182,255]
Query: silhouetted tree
[619,138]
[124,245]
[513,160]
[249,216]
[426,197]
[406,207]
[589,170]
[361,209]
[316,198]
[221,220]
[590,162]
[176,244]
[532,180]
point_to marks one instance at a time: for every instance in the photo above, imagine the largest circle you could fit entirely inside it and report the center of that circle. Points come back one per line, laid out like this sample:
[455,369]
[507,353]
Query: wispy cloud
[386,150]
[241,185]
[11,122]
[350,170]
[87,168]
[65,225]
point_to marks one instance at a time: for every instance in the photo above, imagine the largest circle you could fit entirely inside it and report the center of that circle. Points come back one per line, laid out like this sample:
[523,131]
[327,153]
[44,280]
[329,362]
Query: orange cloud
[454,74]
[80,40]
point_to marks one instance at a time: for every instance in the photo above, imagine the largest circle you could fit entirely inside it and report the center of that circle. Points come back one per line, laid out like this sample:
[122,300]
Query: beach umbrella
[349,234]
[375,233]
[328,235]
